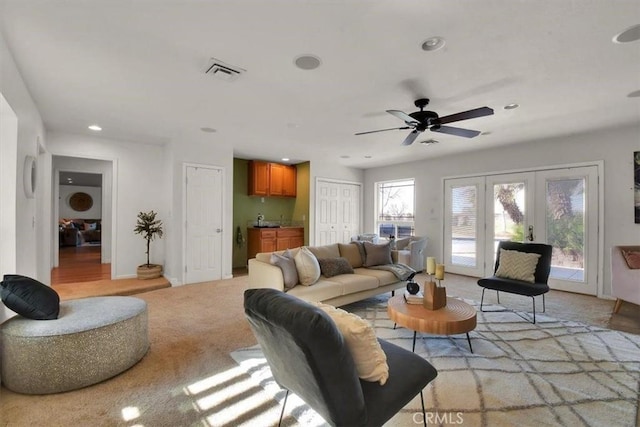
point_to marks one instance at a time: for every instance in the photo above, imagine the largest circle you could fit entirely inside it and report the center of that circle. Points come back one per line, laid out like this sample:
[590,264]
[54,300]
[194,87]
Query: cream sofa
[337,290]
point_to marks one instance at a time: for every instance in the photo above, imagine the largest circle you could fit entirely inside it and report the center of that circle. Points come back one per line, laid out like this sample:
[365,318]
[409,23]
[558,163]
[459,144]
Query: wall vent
[222,71]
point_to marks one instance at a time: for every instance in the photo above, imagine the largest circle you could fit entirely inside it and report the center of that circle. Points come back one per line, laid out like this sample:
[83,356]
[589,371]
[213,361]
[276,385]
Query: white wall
[614,147]
[28,219]
[138,186]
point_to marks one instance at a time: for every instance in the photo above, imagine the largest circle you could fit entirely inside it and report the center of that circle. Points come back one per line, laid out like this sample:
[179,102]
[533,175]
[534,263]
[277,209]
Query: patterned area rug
[553,373]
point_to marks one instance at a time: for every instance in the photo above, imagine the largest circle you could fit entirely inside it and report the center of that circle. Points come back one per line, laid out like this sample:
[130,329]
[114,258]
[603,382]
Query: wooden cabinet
[271,179]
[273,239]
[258,178]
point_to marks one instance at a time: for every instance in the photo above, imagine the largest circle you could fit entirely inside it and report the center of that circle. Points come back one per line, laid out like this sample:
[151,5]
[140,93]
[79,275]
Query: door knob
[218,230]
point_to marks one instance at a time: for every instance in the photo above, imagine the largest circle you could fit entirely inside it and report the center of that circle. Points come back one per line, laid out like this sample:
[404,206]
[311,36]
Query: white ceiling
[137,69]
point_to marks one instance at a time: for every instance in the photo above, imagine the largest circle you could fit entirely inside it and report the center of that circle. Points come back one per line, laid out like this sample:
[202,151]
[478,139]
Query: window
[395,202]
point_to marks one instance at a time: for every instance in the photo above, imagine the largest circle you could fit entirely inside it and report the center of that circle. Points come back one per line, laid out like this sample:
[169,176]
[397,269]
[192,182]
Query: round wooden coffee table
[457,317]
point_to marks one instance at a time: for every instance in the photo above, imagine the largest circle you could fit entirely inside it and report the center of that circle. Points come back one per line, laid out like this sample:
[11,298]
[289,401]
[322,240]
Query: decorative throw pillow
[29,298]
[517,265]
[351,252]
[377,254]
[330,267]
[307,266]
[360,338]
[632,257]
[288,267]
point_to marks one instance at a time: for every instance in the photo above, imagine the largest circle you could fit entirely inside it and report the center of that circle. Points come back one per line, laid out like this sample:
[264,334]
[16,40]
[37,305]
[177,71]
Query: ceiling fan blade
[402,116]
[450,130]
[410,138]
[382,130]
[466,115]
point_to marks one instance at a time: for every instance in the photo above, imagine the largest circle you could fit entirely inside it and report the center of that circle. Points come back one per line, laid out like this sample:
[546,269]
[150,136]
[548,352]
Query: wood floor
[80,274]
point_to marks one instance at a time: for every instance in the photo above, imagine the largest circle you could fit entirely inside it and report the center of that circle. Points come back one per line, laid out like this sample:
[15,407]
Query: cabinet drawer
[268,234]
[290,232]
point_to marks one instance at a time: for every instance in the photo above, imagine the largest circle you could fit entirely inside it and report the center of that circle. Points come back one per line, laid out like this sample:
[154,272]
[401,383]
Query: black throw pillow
[29,298]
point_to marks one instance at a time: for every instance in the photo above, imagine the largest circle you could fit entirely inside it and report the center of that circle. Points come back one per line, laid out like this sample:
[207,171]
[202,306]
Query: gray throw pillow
[288,267]
[333,266]
[377,254]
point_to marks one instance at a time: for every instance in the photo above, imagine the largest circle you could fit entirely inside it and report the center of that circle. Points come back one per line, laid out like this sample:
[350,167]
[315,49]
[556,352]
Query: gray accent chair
[540,287]
[308,356]
[410,251]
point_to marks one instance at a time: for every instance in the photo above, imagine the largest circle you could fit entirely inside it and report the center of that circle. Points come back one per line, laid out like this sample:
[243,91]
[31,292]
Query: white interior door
[203,225]
[338,212]
[327,213]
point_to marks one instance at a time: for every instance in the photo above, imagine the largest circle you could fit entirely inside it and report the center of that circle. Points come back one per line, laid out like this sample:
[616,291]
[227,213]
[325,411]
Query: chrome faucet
[260,219]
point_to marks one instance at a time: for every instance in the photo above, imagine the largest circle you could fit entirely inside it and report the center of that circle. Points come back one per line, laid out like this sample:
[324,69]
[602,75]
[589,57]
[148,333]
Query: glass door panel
[569,202]
[464,223]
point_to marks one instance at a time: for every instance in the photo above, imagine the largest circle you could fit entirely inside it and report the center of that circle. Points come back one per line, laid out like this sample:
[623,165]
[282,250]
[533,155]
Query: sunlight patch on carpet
[554,372]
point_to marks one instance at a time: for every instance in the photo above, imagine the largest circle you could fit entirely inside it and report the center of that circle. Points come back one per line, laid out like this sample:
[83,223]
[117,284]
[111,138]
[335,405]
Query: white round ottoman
[92,340]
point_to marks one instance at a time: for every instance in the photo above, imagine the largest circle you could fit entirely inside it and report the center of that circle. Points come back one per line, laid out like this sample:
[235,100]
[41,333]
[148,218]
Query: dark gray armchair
[541,275]
[308,356]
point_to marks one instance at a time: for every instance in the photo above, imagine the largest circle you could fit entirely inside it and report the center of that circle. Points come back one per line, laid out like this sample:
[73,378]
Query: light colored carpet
[555,372]
[188,377]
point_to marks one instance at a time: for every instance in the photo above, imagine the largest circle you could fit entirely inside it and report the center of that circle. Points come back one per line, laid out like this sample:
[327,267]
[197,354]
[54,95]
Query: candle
[440,271]
[431,265]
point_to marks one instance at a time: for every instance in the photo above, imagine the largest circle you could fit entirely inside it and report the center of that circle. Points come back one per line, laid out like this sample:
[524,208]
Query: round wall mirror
[80,202]
[29,177]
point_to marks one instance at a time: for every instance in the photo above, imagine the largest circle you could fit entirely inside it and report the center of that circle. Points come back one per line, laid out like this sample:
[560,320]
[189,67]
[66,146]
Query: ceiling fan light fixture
[429,142]
[511,106]
[433,43]
[630,34]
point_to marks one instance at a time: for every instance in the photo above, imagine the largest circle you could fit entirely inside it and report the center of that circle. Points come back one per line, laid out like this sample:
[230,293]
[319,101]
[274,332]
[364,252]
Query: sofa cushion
[517,265]
[322,290]
[29,298]
[330,267]
[288,267]
[326,251]
[351,252]
[360,338]
[382,276]
[377,254]
[307,266]
[353,283]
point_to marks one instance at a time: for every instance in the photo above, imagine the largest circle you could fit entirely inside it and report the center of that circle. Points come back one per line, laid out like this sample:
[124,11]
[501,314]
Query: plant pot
[150,271]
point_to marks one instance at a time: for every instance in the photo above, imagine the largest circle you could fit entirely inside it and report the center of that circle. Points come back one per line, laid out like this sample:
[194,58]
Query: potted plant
[150,228]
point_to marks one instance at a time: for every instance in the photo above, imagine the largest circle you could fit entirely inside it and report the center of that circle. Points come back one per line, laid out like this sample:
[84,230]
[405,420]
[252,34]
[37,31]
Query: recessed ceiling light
[511,106]
[208,130]
[345,157]
[631,34]
[95,128]
[433,43]
[368,157]
[307,62]
[634,94]
[285,159]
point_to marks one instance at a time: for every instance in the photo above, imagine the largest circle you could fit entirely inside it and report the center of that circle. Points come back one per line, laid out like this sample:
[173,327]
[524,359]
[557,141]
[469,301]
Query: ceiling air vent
[223,71]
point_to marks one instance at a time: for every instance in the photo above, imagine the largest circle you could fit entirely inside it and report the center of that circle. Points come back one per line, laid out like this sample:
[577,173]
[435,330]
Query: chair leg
[616,308]
[533,299]
[282,411]
[482,299]
[424,413]
[498,295]
[393,293]
[544,307]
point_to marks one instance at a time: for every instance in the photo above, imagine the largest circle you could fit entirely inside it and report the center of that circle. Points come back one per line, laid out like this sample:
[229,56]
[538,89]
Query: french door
[556,206]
